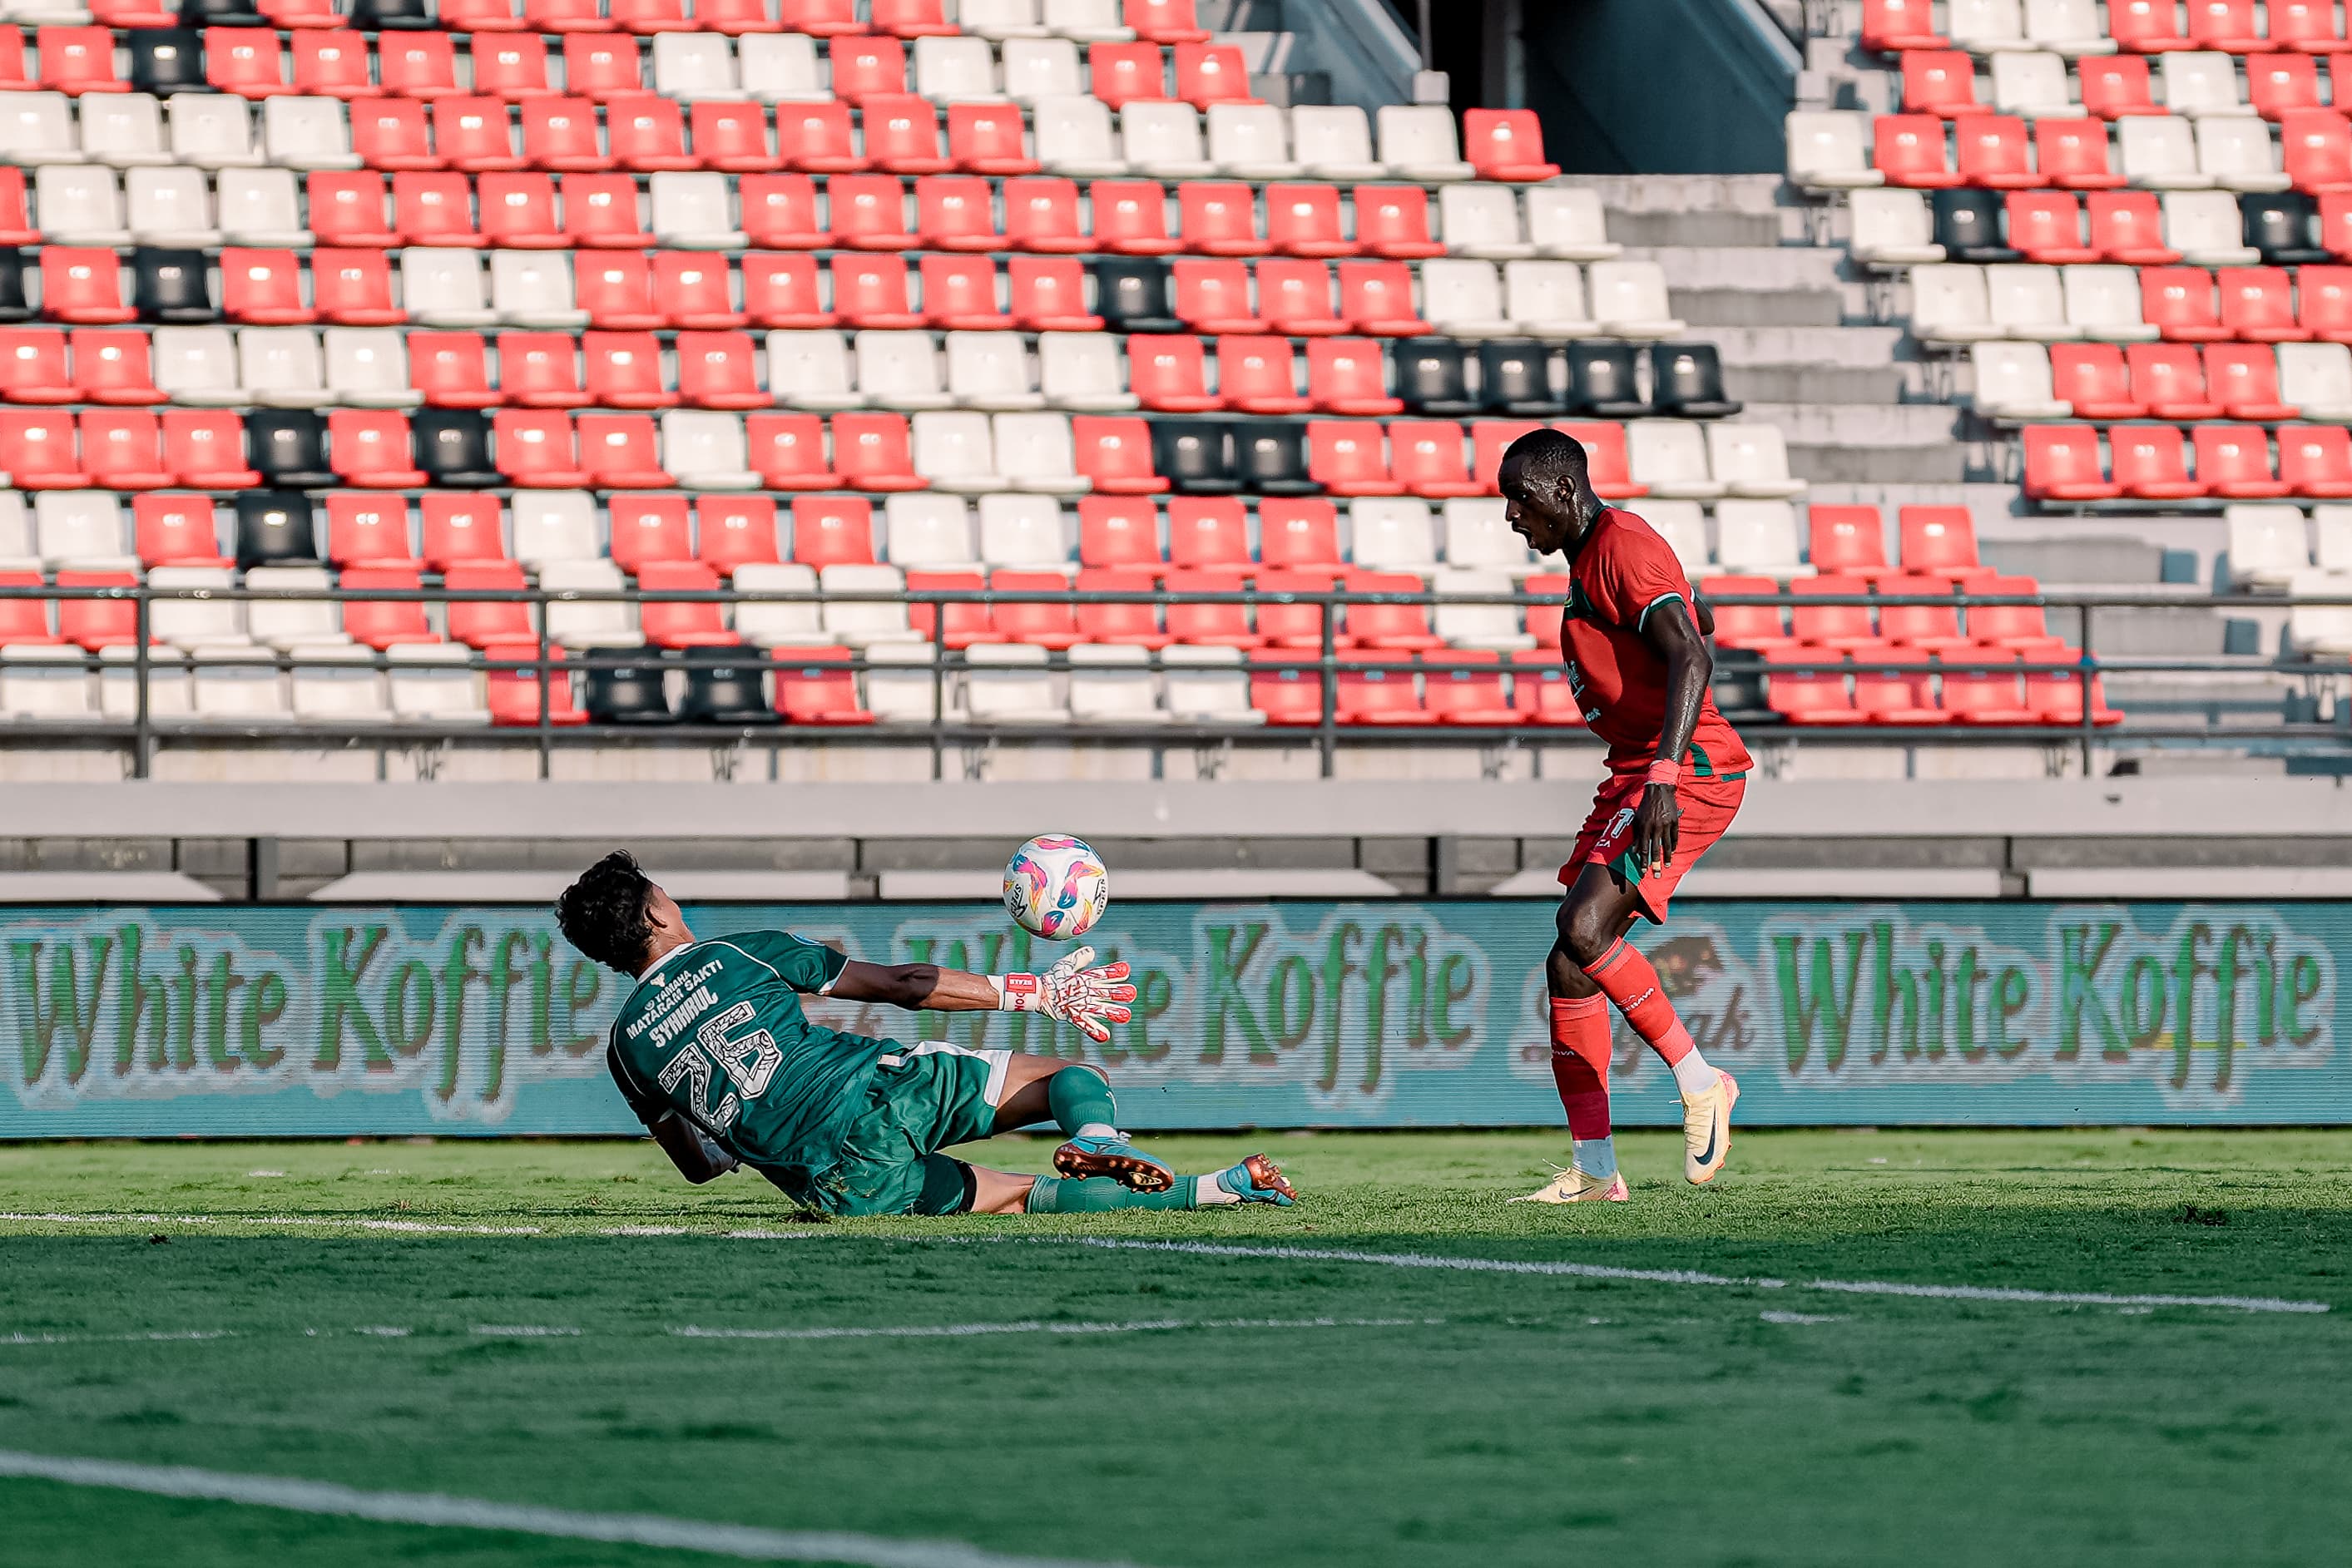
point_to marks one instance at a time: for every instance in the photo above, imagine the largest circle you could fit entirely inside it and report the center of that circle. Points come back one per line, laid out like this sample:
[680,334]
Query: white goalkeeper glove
[1092,999]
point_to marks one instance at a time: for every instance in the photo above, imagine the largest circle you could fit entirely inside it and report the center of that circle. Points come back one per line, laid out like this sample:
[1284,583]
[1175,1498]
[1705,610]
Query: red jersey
[1623,571]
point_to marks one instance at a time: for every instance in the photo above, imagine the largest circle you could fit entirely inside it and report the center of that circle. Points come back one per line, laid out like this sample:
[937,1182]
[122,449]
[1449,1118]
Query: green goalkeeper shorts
[920,1101]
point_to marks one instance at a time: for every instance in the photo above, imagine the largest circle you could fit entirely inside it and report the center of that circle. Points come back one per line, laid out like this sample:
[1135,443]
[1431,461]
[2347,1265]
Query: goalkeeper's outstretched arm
[925,986]
[1091,999]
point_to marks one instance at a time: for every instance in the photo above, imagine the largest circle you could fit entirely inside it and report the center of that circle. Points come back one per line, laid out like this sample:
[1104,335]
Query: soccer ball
[1055,886]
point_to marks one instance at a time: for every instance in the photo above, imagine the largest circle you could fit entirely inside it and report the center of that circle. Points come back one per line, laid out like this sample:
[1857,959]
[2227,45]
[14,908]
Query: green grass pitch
[1439,1416]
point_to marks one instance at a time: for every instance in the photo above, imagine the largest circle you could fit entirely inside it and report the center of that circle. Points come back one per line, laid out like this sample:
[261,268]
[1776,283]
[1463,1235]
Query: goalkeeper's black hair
[1547,457]
[604,913]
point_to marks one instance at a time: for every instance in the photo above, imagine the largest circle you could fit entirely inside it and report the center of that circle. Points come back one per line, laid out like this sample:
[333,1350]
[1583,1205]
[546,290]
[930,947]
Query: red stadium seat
[1215,73]
[2127,226]
[869,212]
[1891,27]
[332,63]
[565,15]
[2315,460]
[349,210]
[246,61]
[15,222]
[621,452]
[1838,626]
[75,60]
[2258,305]
[1847,539]
[1295,297]
[600,213]
[902,134]
[648,134]
[825,18]
[717,370]
[780,290]
[1348,376]
[363,531]
[2151,463]
[735,530]
[1040,622]
[482,624]
[1897,686]
[1134,624]
[2225,24]
[2008,626]
[2183,303]
[957,211]
[818,137]
[695,289]
[452,369]
[2146,26]
[1213,296]
[2277,85]
[1505,144]
[1120,74]
[83,287]
[96,623]
[1300,534]
[473,133]
[179,530]
[624,370]
[616,288]
[512,65]
[683,623]
[1929,626]
[2072,154]
[1550,590]
[13,76]
[2114,86]
[204,448]
[435,209]
[912,19]
[265,287]
[121,449]
[1209,625]
[419,65]
[2309,25]
[2327,308]
[647,17]
[1383,695]
[1219,218]
[370,448]
[1807,685]
[2316,149]
[1164,21]
[602,66]
[2168,379]
[382,623]
[1940,542]
[460,530]
[731,136]
[1284,619]
[870,452]
[1376,299]
[37,450]
[536,450]
[1426,456]
[1393,221]
[1168,374]
[2335,223]
[529,697]
[832,530]
[1114,454]
[2061,464]
[2055,697]
[989,139]
[871,291]
[1465,686]
[25,622]
[1130,217]
[1939,82]
[959,294]
[2094,378]
[780,211]
[33,367]
[518,213]
[867,67]
[1604,449]
[2234,461]
[1120,531]
[1539,686]
[1304,220]
[1049,295]
[2243,379]
[1984,695]
[1041,213]
[1207,531]
[816,686]
[2046,226]
[114,368]
[1908,150]
[1993,152]
[1347,458]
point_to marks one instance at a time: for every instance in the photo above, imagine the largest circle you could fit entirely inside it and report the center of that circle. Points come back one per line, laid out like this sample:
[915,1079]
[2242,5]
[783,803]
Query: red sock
[1627,978]
[1580,1062]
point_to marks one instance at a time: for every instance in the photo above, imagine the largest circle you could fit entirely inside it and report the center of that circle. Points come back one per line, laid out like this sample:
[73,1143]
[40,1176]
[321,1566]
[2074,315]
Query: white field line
[969,1331]
[1300,1254]
[117,1338]
[524,1331]
[438,1510]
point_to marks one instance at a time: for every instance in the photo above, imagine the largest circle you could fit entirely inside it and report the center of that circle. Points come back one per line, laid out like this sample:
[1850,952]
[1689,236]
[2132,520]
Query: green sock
[1080,1100]
[1057,1194]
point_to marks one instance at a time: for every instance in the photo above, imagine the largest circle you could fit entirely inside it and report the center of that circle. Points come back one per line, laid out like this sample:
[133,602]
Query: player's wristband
[1664,772]
[1018,993]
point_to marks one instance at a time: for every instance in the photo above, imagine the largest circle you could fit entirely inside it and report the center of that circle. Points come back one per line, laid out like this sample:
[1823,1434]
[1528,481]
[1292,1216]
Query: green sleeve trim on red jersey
[1643,619]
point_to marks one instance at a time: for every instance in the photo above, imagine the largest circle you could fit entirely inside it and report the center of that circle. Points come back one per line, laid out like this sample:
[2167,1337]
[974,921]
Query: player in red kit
[1635,640]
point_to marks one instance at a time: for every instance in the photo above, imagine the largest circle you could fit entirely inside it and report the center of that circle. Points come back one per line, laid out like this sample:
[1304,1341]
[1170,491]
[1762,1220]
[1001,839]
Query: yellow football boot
[1706,1128]
[1572,1186]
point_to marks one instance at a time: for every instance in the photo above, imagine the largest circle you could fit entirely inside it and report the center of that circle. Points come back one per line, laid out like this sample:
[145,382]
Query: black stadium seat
[624,686]
[1195,456]
[1270,457]
[1131,295]
[726,686]
[13,306]
[393,16]
[2283,226]
[1968,225]
[274,529]
[1432,376]
[289,447]
[173,287]
[1687,382]
[1604,381]
[220,14]
[453,446]
[1515,377]
[166,60]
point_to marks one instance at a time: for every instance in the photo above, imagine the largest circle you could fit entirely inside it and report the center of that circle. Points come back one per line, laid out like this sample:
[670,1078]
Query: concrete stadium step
[2072,561]
[1815,383]
[1761,268]
[1688,193]
[1845,466]
[1720,307]
[1698,228]
[1845,348]
[1859,424]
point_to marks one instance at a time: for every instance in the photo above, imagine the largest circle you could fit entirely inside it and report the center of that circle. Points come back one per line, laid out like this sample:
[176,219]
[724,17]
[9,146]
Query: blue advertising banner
[271,1021]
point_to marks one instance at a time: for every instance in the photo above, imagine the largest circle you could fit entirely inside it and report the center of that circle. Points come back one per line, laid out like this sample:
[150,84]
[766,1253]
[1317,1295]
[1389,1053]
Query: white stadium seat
[123,128]
[212,131]
[869,622]
[2237,151]
[1759,537]
[691,66]
[1419,142]
[38,128]
[2159,152]
[2268,545]
[706,450]
[1464,299]
[551,526]
[900,370]
[956,452]
[2205,227]
[284,624]
[2316,378]
[1083,371]
[904,687]
[928,532]
[1393,535]
[2028,302]
[443,287]
[1750,460]
[1630,299]
[1113,684]
[1334,141]
[534,288]
[1023,532]
[991,371]
[307,134]
[1162,141]
[1481,220]
[694,211]
[1567,223]
[2033,85]
[80,203]
[1478,537]
[1250,141]
[367,367]
[197,365]
[2198,82]
[1207,685]
[1542,299]
[589,624]
[1669,456]
[2103,304]
[780,67]
[430,683]
[1495,626]
[170,207]
[2013,383]
[815,366]
[954,70]
[336,685]
[1009,683]
[1829,150]
[41,684]
[1036,455]
[192,623]
[1073,137]
[1893,229]
[2069,27]
[1040,69]
[238,685]
[83,529]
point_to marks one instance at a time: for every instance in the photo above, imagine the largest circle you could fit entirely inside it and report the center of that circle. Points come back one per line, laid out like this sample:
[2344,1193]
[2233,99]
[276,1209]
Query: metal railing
[551,724]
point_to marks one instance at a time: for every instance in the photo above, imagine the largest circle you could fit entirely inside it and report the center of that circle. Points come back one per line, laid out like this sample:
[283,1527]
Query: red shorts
[1708,805]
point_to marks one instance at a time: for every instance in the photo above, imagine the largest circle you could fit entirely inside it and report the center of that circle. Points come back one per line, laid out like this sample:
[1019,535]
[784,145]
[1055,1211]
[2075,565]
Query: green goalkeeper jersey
[715,1033]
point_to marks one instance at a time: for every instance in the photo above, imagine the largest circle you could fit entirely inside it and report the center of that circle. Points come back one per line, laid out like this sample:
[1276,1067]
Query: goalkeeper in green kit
[712,1052]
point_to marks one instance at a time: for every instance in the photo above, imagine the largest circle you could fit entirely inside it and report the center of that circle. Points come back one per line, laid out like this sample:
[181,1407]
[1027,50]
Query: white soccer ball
[1056,887]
